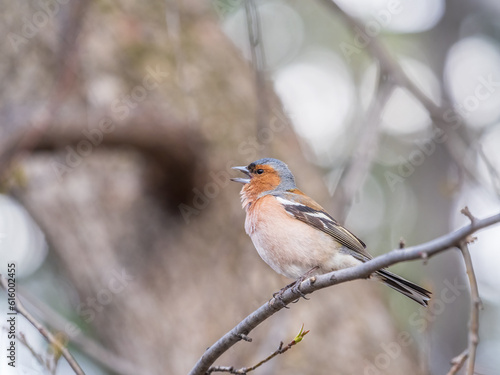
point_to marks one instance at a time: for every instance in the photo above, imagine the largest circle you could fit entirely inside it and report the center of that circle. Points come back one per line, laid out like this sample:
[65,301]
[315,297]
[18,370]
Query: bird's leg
[295,285]
[279,293]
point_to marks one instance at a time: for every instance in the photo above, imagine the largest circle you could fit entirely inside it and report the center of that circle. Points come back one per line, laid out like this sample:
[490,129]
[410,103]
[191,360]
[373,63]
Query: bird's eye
[260,171]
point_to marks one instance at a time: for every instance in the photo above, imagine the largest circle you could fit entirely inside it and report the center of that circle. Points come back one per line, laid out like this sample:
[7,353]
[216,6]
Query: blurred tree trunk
[158,284]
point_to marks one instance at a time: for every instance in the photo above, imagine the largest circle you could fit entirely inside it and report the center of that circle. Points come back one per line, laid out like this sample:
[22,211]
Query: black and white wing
[308,211]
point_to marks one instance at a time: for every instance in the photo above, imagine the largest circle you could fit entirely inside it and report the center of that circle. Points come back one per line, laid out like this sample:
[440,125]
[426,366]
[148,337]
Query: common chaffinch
[296,236]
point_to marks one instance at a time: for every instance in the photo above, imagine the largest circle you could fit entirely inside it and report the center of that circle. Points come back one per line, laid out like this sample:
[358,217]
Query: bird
[296,237]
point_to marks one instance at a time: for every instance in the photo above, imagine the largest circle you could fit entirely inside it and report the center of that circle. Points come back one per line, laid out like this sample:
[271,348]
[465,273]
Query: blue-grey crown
[287,179]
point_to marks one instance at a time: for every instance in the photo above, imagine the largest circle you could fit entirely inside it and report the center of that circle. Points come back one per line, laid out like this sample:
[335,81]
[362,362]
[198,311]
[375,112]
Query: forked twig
[280,350]
[53,341]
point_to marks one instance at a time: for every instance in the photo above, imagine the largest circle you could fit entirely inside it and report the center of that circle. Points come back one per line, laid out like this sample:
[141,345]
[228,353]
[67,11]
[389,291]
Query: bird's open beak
[239,179]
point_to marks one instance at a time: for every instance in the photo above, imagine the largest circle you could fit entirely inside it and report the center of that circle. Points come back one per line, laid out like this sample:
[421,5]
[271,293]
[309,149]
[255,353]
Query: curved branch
[388,63]
[44,331]
[425,250]
[438,113]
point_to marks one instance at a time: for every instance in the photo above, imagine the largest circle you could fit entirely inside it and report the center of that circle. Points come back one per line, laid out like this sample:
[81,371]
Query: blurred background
[120,122]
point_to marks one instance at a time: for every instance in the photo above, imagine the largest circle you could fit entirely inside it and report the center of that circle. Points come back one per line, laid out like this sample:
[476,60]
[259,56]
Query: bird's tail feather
[413,291]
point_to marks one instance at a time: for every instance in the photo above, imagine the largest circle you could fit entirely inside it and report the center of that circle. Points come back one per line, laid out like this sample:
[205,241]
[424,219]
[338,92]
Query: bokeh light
[282,26]
[21,241]
[318,92]
[472,76]
[406,17]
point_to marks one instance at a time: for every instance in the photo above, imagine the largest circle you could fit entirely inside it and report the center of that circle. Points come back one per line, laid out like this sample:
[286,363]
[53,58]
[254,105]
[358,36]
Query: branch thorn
[470,239]
[425,257]
[402,243]
[243,337]
[465,211]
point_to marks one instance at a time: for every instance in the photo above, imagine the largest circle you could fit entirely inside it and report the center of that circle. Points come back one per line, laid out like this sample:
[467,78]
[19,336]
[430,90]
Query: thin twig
[438,113]
[361,271]
[458,362]
[259,64]
[44,331]
[473,340]
[85,344]
[280,350]
[476,304]
[386,61]
[22,339]
[356,170]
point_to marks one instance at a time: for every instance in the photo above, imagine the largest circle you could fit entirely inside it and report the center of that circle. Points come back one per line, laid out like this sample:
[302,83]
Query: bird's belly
[296,247]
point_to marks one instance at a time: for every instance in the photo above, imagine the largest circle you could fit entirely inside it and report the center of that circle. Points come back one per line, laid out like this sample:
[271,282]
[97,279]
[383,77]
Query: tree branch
[22,339]
[53,341]
[258,56]
[356,170]
[458,362]
[85,344]
[476,304]
[425,250]
[280,350]
[437,113]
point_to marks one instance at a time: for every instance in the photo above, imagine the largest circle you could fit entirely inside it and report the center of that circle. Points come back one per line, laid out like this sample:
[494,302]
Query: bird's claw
[295,286]
[278,296]
[296,289]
